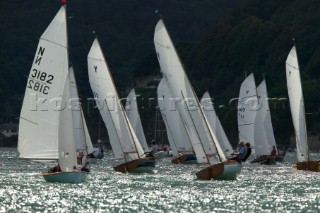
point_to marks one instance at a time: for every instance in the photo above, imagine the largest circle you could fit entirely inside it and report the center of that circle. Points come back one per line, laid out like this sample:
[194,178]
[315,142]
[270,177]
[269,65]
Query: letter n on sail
[39,55]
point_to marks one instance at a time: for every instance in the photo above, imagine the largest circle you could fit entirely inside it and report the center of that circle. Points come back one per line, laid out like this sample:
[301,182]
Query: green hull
[228,170]
[142,165]
[65,177]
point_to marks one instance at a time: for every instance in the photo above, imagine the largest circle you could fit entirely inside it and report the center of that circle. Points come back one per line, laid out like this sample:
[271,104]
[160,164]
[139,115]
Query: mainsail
[297,105]
[38,124]
[248,105]
[123,140]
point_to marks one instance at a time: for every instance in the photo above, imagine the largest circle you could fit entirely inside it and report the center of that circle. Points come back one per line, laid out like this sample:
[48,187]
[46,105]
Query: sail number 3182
[38,81]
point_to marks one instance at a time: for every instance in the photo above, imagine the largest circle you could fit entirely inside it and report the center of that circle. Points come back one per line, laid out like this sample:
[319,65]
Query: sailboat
[67,161]
[46,131]
[177,134]
[203,140]
[123,139]
[207,105]
[248,106]
[134,118]
[298,113]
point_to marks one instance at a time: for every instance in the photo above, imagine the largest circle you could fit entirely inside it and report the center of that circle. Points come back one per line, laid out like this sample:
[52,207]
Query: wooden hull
[65,177]
[228,170]
[266,160]
[142,165]
[308,166]
[185,159]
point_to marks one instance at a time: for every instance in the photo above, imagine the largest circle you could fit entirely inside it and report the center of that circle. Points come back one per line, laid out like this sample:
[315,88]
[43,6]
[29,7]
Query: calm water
[173,188]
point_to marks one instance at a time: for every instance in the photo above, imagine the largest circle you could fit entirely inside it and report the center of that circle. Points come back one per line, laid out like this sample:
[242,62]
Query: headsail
[265,118]
[67,143]
[134,118]
[177,134]
[208,109]
[82,137]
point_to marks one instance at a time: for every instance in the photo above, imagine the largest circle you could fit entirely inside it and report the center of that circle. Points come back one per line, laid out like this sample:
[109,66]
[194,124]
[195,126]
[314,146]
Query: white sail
[264,115]
[247,108]
[38,127]
[134,118]
[297,104]
[177,134]
[90,148]
[208,109]
[261,146]
[67,143]
[123,140]
[203,140]
[82,137]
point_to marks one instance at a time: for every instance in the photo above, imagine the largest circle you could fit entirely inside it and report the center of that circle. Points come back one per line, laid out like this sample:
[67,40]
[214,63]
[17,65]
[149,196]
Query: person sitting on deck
[274,151]
[84,162]
[248,145]
[97,153]
[55,169]
[241,153]
[154,148]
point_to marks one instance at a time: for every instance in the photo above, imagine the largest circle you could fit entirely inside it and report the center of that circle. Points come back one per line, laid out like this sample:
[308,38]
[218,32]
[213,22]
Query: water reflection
[173,188]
